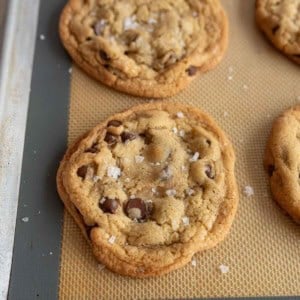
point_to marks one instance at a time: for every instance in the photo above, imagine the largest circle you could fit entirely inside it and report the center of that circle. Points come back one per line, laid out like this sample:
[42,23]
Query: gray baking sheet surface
[37,246]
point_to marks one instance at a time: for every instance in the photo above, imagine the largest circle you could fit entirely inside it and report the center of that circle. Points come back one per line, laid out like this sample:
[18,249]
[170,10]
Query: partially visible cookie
[282,161]
[142,47]
[280,21]
[150,187]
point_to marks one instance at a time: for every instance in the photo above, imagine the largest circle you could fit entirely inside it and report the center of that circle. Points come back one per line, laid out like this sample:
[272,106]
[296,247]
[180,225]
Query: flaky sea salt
[42,37]
[248,191]
[194,262]
[175,130]
[180,115]
[152,21]
[113,172]
[127,179]
[181,133]
[195,157]
[96,178]
[102,200]
[25,219]
[138,159]
[186,220]
[51,253]
[171,192]
[224,269]
[189,191]
[70,70]
[112,239]
[153,190]
[129,23]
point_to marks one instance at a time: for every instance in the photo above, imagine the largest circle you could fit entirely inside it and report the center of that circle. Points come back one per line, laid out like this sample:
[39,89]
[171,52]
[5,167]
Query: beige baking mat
[250,87]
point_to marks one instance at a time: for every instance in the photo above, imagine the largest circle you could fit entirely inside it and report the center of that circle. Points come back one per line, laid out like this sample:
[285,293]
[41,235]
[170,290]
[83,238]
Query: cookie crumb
[25,219]
[174,129]
[42,37]
[171,192]
[112,239]
[189,191]
[139,159]
[180,115]
[51,253]
[157,164]
[195,157]
[113,172]
[194,262]
[186,220]
[224,269]
[132,197]
[248,191]
[181,133]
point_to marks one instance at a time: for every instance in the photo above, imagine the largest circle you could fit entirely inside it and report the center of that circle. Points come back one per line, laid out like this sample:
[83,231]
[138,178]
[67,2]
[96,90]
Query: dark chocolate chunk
[98,28]
[192,70]
[275,29]
[81,172]
[109,205]
[93,149]
[137,209]
[127,136]
[147,137]
[114,123]
[110,139]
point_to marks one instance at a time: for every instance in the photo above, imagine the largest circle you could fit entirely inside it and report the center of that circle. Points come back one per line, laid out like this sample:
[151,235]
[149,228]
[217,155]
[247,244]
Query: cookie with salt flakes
[145,48]
[150,187]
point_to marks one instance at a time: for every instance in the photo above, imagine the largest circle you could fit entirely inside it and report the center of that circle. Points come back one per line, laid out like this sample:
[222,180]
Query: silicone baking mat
[250,87]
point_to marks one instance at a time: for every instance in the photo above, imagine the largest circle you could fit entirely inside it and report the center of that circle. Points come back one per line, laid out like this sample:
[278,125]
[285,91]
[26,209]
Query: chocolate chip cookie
[142,47]
[150,187]
[280,21]
[282,161]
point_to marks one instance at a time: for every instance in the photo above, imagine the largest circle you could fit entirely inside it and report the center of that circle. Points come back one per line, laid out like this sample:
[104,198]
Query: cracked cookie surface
[282,161]
[151,186]
[142,47]
[280,21]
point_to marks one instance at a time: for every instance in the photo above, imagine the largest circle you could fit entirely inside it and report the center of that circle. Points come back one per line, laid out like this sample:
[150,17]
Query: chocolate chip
[81,172]
[104,55]
[208,142]
[109,205]
[275,29]
[88,39]
[271,169]
[147,137]
[110,139]
[127,136]
[192,70]
[114,123]
[209,172]
[93,149]
[137,209]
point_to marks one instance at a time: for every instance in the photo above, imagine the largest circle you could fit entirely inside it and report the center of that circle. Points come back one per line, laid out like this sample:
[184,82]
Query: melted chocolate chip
[110,139]
[127,136]
[109,205]
[93,149]
[114,123]
[271,169]
[81,172]
[209,172]
[275,29]
[192,70]
[137,209]
[104,55]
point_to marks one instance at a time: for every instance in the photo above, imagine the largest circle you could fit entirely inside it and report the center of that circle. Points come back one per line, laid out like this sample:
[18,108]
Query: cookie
[282,161]
[280,21]
[150,187]
[142,47]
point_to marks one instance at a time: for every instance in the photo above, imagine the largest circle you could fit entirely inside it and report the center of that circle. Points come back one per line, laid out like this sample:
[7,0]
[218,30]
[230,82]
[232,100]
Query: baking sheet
[251,86]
